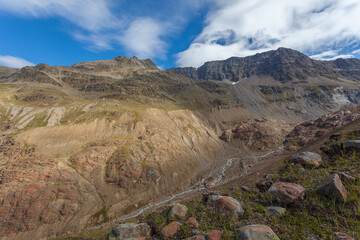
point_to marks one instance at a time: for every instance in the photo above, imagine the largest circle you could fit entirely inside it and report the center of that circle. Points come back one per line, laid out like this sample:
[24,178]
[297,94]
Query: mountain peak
[134,61]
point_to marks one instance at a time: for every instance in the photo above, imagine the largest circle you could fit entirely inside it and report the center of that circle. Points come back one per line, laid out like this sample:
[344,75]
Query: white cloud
[143,37]
[14,62]
[91,15]
[243,27]
[331,55]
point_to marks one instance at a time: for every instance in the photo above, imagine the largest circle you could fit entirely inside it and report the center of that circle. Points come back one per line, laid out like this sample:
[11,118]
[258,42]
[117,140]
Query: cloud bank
[14,62]
[323,28]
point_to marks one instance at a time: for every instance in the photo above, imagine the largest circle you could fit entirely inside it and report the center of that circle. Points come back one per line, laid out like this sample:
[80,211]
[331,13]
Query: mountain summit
[283,65]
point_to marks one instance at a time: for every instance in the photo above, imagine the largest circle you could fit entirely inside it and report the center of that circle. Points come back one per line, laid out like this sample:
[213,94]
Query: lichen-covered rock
[256,232]
[178,211]
[307,159]
[226,206]
[276,211]
[129,231]
[287,192]
[333,187]
[171,229]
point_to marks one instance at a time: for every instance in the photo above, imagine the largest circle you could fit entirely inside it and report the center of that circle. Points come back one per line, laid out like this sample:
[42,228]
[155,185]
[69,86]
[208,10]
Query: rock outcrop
[310,130]
[259,134]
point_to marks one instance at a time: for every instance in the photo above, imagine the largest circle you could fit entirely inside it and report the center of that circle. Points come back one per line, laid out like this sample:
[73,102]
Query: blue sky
[173,33]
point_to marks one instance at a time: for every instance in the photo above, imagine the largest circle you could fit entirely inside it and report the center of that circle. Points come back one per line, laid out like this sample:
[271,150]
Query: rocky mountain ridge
[284,65]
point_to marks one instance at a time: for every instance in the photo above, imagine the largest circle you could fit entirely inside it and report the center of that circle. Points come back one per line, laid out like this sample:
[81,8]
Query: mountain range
[84,145]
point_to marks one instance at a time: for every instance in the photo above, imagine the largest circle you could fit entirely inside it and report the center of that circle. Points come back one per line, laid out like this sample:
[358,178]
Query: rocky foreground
[313,193]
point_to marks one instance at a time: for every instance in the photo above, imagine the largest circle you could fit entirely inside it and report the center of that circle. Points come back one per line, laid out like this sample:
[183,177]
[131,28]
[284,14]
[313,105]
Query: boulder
[226,206]
[287,192]
[307,159]
[178,211]
[196,237]
[130,231]
[342,236]
[214,235]
[333,187]
[352,144]
[192,222]
[256,232]
[171,229]
[276,211]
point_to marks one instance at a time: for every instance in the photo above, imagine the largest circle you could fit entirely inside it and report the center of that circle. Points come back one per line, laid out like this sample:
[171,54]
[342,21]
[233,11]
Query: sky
[174,33]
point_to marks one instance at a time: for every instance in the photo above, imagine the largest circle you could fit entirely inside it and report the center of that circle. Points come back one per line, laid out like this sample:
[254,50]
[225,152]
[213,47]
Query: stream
[199,185]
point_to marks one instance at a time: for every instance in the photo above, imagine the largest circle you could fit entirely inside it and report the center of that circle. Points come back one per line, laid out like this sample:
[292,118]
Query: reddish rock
[170,230]
[214,235]
[287,192]
[333,187]
[226,206]
[307,159]
[192,222]
[178,211]
[256,232]
[342,236]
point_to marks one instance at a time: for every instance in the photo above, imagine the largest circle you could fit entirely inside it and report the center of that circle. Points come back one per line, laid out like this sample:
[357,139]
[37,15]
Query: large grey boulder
[307,159]
[178,211]
[130,231]
[256,232]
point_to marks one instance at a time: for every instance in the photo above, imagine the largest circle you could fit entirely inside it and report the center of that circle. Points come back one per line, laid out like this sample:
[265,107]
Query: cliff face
[283,65]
